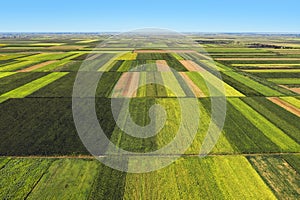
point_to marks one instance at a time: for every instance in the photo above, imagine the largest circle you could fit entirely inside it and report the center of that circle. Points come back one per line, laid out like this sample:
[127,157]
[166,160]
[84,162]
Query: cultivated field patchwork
[257,156]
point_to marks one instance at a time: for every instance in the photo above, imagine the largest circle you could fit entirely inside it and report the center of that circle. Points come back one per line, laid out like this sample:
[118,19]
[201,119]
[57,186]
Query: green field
[255,157]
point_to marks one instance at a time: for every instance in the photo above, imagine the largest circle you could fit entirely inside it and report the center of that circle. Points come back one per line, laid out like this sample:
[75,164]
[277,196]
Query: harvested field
[162,66]
[130,89]
[126,84]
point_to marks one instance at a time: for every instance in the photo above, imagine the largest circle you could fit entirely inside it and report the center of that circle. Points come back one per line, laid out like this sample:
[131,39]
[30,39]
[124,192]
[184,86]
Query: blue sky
[182,16]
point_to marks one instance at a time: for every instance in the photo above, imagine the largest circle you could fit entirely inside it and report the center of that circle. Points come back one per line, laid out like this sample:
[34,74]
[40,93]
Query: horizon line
[115,32]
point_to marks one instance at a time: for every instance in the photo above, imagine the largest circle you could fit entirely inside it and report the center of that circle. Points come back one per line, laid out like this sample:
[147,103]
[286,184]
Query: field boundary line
[165,155]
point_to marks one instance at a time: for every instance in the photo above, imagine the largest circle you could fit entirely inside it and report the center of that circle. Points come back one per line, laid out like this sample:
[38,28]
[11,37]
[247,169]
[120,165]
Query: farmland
[257,155]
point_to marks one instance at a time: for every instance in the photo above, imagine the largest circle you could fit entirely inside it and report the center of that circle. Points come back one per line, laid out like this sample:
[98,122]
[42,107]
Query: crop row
[64,86]
[88,179]
[276,74]
[258,61]
[236,132]
[47,126]
[236,50]
[285,81]
[283,119]
[270,130]
[18,65]
[29,88]
[15,80]
[170,59]
[47,56]
[281,177]
[247,85]
[211,85]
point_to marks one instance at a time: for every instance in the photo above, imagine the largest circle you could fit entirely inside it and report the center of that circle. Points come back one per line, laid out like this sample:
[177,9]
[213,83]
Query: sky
[181,15]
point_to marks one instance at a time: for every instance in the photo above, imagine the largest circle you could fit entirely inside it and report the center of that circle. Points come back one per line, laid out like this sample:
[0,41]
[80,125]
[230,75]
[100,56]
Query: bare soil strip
[257,58]
[118,89]
[197,92]
[135,83]
[162,66]
[126,87]
[296,90]
[192,66]
[132,82]
[285,105]
[29,69]
[163,51]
